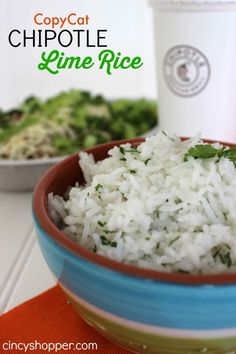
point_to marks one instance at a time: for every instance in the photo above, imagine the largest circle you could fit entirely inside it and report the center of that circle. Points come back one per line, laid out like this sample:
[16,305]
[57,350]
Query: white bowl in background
[23,175]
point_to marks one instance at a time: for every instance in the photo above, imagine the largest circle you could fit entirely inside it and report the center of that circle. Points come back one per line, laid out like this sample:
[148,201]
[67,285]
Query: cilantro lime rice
[166,205]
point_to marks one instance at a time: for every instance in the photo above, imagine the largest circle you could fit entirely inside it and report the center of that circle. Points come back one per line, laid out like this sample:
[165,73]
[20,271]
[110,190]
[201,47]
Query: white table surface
[23,271]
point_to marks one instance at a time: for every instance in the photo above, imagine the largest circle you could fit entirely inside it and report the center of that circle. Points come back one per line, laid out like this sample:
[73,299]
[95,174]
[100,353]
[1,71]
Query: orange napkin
[48,318]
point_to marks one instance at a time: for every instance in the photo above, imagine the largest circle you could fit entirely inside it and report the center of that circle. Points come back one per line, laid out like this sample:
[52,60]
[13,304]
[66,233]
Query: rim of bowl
[31,162]
[45,222]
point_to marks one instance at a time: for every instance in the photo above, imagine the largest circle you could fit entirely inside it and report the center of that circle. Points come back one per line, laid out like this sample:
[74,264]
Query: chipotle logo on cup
[186,70]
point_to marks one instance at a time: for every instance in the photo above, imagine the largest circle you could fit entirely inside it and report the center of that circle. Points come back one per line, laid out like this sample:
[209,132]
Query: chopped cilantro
[109,232]
[98,187]
[206,151]
[146,161]
[124,197]
[122,150]
[225,216]
[198,229]
[174,240]
[222,252]
[132,149]
[228,260]
[102,224]
[105,241]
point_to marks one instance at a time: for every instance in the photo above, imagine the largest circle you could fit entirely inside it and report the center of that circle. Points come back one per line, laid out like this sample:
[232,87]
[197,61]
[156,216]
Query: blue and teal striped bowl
[143,310]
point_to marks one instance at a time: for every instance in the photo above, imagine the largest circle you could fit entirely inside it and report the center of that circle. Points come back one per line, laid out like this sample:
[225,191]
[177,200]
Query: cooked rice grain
[149,208]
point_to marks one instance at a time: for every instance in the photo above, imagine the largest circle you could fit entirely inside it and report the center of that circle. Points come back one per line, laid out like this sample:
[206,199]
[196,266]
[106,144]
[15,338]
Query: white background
[130,31]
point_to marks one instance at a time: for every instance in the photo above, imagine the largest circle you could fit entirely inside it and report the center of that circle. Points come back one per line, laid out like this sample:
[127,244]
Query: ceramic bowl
[145,311]
[23,175]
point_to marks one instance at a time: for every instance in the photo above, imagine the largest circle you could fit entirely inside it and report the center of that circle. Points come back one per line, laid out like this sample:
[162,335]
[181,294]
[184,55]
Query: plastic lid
[194,5]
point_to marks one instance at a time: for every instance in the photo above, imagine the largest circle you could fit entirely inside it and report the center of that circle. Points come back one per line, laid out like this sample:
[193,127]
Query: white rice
[151,209]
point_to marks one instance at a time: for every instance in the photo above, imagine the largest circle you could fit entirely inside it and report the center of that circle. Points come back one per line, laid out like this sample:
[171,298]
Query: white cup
[196,62]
